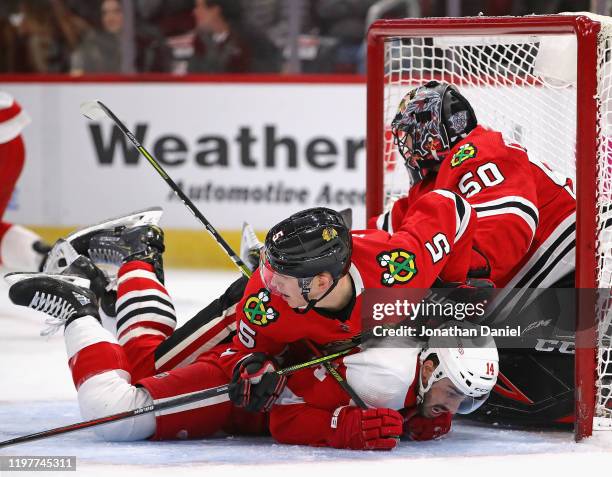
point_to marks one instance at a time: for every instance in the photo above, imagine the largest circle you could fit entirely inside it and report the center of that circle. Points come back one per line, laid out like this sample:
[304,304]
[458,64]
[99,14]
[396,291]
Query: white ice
[36,393]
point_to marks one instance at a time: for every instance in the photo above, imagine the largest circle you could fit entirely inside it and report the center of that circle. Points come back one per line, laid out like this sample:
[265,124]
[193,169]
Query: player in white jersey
[20,248]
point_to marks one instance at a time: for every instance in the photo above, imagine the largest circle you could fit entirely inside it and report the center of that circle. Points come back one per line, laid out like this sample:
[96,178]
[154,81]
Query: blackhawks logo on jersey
[256,311]
[400,267]
[464,153]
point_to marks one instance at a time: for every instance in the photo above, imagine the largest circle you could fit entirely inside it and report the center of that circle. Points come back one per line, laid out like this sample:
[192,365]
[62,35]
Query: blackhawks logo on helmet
[464,153]
[400,267]
[329,233]
[256,311]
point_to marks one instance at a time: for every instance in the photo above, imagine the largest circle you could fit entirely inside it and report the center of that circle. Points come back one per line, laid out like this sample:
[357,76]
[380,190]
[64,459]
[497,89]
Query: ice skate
[62,297]
[108,243]
[249,246]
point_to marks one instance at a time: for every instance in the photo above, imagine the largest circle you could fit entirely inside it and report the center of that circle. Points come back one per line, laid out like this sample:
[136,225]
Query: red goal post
[545,82]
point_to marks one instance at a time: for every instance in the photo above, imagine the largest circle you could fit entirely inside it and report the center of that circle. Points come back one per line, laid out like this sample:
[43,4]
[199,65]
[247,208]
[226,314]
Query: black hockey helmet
[308,243]
[435,116]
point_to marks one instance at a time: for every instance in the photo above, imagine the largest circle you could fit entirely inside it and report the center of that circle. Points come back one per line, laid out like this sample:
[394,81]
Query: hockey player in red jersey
[303,265]
[525,236]
[523,207]
[20,248]
[114,373]
[285,301]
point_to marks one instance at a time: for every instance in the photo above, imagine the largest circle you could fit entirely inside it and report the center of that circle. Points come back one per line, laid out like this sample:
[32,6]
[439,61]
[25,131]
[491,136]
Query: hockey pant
[116,373]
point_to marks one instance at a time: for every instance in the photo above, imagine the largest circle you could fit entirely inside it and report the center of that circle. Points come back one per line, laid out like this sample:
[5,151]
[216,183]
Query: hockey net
[522,76]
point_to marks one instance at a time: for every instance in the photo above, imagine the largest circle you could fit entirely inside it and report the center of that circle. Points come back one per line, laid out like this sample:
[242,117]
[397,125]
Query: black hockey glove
[255,386]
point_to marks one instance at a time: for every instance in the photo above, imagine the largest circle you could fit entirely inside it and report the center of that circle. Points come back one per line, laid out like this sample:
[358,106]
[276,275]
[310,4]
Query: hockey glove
[419,428]
[365,429]
[255,386]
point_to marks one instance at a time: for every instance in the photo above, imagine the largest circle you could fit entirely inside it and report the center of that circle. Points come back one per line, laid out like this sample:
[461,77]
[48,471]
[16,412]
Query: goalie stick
[96,110]
[171,403]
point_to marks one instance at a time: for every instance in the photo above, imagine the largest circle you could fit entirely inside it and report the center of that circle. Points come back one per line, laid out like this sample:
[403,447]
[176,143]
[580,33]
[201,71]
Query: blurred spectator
[275,17]
[171,17]
[437,8]
[272,17]
[262,15]
[545,7]
[100,51]
[224,44]
[344,20]
[47,32]
[8,40]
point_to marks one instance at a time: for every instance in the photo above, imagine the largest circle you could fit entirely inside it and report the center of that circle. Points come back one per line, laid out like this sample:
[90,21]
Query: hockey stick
[338,377]
[96,110]
[171,403]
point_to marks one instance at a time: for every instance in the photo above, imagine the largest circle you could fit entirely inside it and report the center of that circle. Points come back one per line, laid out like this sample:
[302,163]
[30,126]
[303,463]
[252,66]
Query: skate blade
[60,257]
[248,239]
[150,216]
[16,277]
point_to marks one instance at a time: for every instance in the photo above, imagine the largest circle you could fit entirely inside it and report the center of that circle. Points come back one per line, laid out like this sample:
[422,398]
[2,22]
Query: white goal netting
[603,405]
[525,87]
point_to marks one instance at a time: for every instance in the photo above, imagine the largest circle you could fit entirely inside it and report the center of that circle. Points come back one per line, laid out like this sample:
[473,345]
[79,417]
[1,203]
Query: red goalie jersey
[526,212]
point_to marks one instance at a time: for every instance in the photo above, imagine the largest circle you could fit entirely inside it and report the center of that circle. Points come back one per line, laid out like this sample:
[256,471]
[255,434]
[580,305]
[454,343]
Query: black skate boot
[57,260]
[111,243]
[63,297]
[64,260]
[42,249]
[80,239]
[118,246]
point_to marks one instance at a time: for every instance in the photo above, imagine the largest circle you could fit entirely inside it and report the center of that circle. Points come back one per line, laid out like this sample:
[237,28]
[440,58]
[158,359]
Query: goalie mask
[430,120]
[306,244]
[471,365]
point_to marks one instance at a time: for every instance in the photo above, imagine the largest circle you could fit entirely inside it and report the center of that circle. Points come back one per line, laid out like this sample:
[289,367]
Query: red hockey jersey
[526,211]
[435,240]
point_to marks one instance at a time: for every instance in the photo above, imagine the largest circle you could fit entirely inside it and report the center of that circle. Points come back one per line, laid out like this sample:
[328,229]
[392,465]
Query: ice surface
[36,393]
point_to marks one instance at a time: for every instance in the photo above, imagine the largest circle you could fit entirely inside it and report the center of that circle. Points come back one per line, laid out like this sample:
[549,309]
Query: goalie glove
[255,385]
[419,428]
[365,429]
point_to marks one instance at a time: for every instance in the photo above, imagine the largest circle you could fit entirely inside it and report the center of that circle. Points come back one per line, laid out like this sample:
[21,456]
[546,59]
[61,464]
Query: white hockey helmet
[470,363]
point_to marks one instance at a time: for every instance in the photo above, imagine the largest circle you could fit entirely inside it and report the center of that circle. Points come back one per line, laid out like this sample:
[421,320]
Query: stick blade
[92,109]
